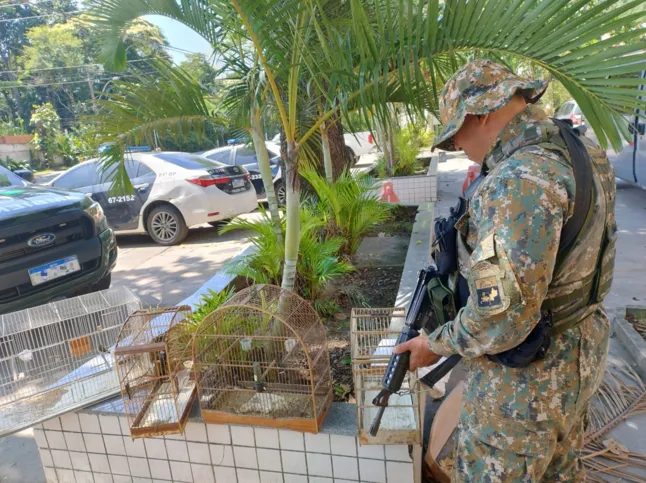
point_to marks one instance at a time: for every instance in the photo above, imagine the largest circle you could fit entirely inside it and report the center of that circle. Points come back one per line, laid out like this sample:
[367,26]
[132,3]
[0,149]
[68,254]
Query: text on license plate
[54,270]
[237,183]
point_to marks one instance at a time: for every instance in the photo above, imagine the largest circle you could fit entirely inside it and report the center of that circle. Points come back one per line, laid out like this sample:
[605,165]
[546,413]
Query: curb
[634,344]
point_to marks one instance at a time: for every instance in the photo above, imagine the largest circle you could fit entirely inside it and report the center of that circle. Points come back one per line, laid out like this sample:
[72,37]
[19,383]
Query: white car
[356,144]
[173,192]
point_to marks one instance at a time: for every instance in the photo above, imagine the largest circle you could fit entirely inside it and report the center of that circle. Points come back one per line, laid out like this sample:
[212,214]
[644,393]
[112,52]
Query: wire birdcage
[56,357]
[262,359]
[374,332]
[153,362]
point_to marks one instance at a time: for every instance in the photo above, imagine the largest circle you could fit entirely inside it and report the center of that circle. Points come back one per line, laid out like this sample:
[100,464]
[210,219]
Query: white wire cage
[56,357]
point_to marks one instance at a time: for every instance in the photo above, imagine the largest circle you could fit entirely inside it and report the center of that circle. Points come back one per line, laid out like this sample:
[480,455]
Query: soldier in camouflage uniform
[523,424]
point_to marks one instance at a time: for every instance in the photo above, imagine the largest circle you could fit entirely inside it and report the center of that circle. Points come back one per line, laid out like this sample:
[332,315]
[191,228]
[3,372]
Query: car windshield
[7,178]
[565,109]
[188,161]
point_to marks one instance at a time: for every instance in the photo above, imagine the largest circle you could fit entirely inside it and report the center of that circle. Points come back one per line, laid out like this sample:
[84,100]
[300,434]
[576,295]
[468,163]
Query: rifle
[416,320]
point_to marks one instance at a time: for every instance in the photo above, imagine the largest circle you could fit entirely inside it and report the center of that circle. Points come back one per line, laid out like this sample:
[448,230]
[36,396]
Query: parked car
[245,157]
[356,144]
[53,243]
[571,110]
[630,163]
[172,192]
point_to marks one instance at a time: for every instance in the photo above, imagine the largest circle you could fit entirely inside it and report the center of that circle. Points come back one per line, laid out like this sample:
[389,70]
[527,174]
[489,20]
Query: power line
[68,67]
[19,86]
[38,16]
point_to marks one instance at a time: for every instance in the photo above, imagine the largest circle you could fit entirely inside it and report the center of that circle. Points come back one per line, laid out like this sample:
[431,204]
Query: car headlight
[95,211]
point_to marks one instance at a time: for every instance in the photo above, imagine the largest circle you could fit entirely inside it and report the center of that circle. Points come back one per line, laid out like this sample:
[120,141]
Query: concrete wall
[18,152]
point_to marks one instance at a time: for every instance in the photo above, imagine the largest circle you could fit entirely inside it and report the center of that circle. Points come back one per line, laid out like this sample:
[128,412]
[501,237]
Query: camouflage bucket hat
[480,87]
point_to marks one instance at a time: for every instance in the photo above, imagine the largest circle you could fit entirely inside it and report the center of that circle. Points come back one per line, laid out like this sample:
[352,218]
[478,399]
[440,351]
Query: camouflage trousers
[505,452]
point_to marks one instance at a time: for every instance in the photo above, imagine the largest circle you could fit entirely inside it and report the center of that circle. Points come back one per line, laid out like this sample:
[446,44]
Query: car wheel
[166,225]
[351,156]
[281,192]
[103,284]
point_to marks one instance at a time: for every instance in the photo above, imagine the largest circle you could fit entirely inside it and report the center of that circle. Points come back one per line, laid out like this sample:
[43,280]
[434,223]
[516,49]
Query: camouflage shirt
[512,231]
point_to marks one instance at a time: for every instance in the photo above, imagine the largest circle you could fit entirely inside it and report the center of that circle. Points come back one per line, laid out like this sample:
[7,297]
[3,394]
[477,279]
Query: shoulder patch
[486,288]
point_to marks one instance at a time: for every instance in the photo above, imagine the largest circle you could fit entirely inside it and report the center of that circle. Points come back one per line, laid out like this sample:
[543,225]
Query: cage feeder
[262,359]
[153,362]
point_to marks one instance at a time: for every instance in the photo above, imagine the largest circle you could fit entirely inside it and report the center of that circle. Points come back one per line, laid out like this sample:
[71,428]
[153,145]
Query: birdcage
[56,357]
[262,359]
[153,362]
[374,332]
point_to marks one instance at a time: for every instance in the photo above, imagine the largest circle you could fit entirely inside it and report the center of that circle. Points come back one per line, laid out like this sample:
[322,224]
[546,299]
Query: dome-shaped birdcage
[262,359]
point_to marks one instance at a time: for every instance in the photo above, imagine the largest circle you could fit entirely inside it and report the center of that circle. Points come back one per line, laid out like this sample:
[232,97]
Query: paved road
[166,275]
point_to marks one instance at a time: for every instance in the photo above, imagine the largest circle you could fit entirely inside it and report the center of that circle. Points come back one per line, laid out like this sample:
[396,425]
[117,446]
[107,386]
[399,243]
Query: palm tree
[359,52]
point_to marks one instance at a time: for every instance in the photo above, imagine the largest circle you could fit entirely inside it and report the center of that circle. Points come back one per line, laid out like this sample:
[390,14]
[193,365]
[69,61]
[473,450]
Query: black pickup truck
[54,243]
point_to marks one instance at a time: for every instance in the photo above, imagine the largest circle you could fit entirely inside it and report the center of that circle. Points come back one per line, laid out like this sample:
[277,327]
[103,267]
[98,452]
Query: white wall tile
[267,438]
[94,443]
[181,471]
[114,444]
[291,440]
[160,469]
[195,432]
[202,473]
[399,472]
[61,459]
[70,422]
[218,433]
[119,465]
[318,479]
[336,480]
[134,447]
[268,459]
[175,437]
[65,476]
[83,477]
[224,474]
[102,478]
[53,424]
[139,467]
[109,424]
[50,475]
[343,445]
[345,467]
[89,423]
[199,453]
[80,461]
[155,448]
[317,443]
[137,479]
[270,477]
[248,476]
[374,451]
[46,457]
[55,440]
[245,457]
[293,462]
[41,439]
[221,455]
[74,441]
[121,479]
[372,471]
[99,463]
[319,464]
[125,429]
[397,453]
[294,478]
[242,436]
[177,450]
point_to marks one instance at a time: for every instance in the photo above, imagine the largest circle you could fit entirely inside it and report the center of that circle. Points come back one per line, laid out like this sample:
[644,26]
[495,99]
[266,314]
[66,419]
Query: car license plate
[237,183]
[54,270]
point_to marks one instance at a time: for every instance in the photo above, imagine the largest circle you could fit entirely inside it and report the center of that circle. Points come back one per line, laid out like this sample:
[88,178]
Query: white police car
[173,192]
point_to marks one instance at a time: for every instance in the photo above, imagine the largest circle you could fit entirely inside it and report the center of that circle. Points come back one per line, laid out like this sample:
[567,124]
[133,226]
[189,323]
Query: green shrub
[47,126]
[11,164]
[318,262]
[408,143]
[10,129]
[350,206]
[210,303]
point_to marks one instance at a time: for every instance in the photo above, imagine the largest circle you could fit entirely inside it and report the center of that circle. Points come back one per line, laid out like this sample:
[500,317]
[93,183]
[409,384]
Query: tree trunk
[341,159]
[327,156]
[258,136]
[293,230]
[11,106]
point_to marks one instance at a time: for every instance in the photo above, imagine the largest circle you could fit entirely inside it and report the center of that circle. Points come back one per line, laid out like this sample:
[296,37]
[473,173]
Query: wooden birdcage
[153,362]
[262,359]
[374,332]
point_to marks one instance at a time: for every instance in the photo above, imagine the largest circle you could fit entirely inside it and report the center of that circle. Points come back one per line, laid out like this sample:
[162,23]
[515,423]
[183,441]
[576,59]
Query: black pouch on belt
[533,348]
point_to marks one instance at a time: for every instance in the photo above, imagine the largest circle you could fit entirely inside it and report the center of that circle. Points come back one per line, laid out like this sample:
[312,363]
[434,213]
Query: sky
[180,37]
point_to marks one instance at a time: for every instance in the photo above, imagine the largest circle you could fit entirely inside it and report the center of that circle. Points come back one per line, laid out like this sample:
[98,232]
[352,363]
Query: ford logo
[41,240]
